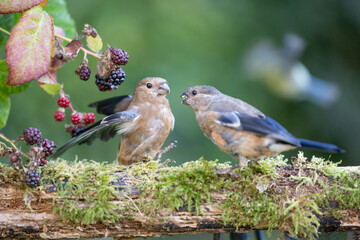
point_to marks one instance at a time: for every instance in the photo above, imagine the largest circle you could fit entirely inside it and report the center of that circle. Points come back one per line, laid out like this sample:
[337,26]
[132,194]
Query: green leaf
[29,48]
[6,22]
[51,89]
[13,6]
[58,11]
[6,89]
[4,109]
[94,44]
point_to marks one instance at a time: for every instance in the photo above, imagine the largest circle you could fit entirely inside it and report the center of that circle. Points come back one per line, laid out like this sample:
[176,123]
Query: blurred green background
[192,42]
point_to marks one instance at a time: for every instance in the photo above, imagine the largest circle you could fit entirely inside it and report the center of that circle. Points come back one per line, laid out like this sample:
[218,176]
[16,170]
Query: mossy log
[146,200]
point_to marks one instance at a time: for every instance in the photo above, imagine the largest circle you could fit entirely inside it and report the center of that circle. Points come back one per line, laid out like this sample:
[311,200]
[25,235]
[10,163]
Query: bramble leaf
[51,89]
[28,50]
[48,83]
[13,6]
[58,11]
[4,109]
[5,91]
[95,44]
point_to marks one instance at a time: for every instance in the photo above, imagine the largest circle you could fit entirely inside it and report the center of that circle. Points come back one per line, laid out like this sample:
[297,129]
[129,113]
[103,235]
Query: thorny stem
[52,79]
[13,145]
[4,31]
[83,49]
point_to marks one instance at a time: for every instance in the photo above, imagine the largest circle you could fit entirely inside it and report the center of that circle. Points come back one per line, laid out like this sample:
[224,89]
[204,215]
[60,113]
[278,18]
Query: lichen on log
[89,199]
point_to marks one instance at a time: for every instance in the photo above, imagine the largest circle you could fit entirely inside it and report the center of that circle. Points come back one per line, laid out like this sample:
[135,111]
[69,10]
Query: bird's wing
[104,129]
[112,105]
[261,125]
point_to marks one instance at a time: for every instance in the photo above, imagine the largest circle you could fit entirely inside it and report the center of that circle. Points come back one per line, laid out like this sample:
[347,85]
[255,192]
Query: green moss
[85,191]
[250,200]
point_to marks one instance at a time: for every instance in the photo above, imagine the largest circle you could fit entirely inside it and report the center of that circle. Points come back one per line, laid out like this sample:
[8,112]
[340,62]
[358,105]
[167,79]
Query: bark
[17,220]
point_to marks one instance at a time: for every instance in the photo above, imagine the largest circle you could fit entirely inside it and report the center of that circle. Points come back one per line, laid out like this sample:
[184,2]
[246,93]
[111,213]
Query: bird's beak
[164,88]
[185,98]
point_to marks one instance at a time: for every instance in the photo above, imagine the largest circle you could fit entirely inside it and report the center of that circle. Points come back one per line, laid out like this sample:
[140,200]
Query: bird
[144,122]
[240,129]
[280,69]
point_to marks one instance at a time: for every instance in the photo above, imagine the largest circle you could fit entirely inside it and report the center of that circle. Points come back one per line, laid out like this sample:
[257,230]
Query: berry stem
[13,145]
[82,49]
[71,107]
[4,31]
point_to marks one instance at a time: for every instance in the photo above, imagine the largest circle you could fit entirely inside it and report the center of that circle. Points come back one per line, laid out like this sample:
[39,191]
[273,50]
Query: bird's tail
[325,147]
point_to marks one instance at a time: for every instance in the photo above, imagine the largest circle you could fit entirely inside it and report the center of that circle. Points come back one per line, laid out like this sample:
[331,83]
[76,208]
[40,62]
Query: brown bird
[144,123]
[240,129]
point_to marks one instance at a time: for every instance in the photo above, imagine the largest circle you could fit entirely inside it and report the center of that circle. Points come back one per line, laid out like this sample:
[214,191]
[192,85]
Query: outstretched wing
[260,125]
[104,129]
[112,105]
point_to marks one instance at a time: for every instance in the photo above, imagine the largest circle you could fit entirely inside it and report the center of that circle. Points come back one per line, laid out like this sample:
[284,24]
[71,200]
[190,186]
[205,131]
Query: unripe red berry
[89,118]
[63,102]
[59,115]
[75,118]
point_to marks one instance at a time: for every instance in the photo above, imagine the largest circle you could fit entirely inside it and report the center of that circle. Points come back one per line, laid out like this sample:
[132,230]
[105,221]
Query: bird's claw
[229,171]
[165,149]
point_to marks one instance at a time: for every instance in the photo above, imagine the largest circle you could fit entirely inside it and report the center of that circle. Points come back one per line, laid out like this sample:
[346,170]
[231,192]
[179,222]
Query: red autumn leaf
[28,50]
[13,6]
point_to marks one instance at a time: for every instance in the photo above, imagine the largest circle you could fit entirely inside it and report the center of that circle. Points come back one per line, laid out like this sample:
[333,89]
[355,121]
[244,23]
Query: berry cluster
[79,120]
[83,71]
[118,56]
[32,135]
[32,178]
[36,156]
[112,81]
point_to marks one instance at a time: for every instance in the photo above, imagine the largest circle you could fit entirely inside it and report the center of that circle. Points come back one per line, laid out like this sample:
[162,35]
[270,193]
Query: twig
[82,49]
[13,145]
[4,31]
[134,204]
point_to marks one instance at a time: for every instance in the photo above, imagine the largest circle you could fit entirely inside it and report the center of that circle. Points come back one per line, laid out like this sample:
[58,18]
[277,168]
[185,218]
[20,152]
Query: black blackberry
[32,178]
[118,56]
[117,77]
[32,135]
[102,83]
[84,72]
[77,130]
[48,147]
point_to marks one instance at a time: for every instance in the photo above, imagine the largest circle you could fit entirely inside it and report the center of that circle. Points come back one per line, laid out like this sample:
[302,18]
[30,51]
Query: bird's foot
[255,162]
[165,149]
[164,164]
[229,171]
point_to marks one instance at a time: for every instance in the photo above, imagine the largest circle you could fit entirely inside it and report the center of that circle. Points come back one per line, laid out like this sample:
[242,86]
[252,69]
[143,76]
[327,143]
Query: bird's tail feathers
[326,147]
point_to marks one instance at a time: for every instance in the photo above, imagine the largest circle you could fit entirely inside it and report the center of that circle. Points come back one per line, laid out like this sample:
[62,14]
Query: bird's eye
[194,92]
[149,85]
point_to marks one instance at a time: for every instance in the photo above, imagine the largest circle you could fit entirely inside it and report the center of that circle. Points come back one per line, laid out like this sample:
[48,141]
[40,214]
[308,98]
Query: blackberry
[117,77]
[32,178]
[118,56]
[76,131]
[32,135]
[59,115]
[48,147]
[89,118]
[63,102]
[102,83]
[75,118]
[83,71]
